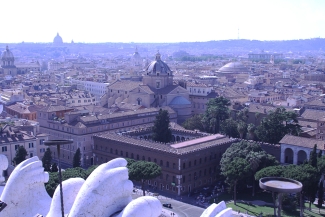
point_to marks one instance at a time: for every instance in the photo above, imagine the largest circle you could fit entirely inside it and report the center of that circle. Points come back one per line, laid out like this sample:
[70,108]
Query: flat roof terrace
[191,142]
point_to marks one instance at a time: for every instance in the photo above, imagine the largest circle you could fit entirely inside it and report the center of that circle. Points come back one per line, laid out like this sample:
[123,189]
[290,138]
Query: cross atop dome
[158,56]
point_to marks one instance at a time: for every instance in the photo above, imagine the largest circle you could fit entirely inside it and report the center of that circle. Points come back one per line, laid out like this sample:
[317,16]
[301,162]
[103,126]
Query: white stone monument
[106,192]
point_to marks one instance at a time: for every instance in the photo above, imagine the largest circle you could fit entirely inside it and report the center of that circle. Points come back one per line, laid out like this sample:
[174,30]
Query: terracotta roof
[167,89]
[146,89]
[55,108]
[165,147]
[194,84]
[302,141]
[124,85]
[317,102]
[260,109]
[313,114]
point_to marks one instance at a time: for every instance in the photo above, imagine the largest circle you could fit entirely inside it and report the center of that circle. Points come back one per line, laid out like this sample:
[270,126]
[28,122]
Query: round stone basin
[57,142]
[280,185]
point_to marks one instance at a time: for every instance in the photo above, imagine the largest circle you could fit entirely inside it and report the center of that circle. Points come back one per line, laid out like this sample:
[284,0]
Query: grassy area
[264,196]
[243,205]
[268,210]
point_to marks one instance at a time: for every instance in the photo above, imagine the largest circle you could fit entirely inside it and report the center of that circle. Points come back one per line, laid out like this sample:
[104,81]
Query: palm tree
[242,127]
[257,116]
[251,130]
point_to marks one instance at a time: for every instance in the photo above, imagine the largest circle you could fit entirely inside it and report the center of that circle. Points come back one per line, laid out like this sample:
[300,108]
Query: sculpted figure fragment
[106,193]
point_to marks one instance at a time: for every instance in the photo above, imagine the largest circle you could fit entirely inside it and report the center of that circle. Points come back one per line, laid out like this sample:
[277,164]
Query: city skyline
[142,21]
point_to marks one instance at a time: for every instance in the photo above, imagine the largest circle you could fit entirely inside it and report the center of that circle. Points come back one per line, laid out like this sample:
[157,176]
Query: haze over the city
[160,21]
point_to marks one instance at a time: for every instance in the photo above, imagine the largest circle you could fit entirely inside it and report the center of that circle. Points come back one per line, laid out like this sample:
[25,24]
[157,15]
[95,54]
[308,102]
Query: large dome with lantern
[158,67]
[57,40]
[7,55]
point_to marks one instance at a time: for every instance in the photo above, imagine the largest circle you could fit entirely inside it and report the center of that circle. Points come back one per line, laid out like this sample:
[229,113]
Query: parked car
[168,205]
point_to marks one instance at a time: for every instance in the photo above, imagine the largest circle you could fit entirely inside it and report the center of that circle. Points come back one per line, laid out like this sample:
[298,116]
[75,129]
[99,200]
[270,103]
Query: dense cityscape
[212,116]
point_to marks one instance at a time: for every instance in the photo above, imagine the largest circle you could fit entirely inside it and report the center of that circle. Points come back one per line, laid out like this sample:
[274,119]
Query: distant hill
[149,49]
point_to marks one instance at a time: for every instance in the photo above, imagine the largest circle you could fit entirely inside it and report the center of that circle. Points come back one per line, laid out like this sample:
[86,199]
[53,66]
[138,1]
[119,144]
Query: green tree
[243,149]
[320,193]
[271,171]
[251,153]
[320,153]
[243,115]
[313,157]
[142,171]
[235,171]
[257,117]
[130,161]
[194,123]
[229,127]
[54,168]
[47,160]
[254,159]
[276,125]
[161,129]
[53,182]
[308,176]
[242,129]
[77,159]
[20,156]
[217,111]
[251,131]
[321,164]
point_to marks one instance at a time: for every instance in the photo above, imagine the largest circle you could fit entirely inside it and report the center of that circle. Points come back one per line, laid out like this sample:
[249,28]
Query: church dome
[7,55]
[136,54]
[57,39]
[179,100]
[158,66]
[233,67]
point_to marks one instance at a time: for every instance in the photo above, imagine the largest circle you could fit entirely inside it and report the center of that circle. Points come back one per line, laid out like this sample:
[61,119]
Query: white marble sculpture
[3,166]
[106,191]
[217,210]
[24,193]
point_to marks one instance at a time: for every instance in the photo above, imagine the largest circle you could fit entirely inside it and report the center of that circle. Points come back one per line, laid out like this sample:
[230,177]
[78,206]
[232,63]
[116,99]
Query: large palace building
[188,163]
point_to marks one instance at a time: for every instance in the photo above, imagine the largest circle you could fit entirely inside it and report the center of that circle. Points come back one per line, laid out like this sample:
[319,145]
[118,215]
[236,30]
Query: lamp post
[58,143]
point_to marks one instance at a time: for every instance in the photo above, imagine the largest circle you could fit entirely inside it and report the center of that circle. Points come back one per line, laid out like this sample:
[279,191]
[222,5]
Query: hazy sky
[160,21]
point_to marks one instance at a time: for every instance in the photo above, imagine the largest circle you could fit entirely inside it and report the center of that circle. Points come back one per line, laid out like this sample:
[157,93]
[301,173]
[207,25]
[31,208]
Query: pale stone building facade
[157,89]
[8,63]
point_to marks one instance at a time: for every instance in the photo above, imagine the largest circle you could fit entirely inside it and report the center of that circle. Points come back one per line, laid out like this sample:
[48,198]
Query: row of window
[194,90]
[112,126]
[119,91]
[79,101]
[5,149]
[161,163]
[198,105]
